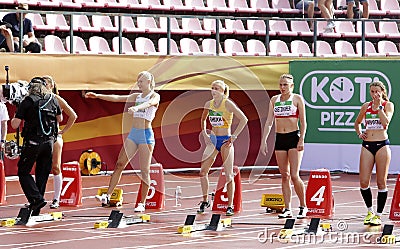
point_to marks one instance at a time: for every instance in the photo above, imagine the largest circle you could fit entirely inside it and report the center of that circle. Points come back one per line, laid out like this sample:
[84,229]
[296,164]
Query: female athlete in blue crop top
[286,110]
[375,148]
[219,111]
[140,138]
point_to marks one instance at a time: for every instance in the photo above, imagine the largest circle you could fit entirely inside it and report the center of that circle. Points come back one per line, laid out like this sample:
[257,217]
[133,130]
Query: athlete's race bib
[283,108]
[215,118]
[372,122]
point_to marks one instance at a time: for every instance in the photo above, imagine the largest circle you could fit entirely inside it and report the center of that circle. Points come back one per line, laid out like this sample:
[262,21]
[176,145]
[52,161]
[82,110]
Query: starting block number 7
[69,181]
[319,195]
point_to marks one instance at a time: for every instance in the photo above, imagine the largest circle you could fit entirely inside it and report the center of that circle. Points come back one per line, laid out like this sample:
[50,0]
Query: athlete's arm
[232,107]
[153,101]
[359,119]
[204,116]
[303,122]
[111,97]
[268,126]
[70,113]
[385,116]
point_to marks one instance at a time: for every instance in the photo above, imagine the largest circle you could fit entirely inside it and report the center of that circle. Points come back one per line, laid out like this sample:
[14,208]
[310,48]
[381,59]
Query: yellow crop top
[219,117]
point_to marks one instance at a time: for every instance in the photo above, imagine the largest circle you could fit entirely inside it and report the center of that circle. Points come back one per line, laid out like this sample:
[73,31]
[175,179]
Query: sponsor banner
[333,92]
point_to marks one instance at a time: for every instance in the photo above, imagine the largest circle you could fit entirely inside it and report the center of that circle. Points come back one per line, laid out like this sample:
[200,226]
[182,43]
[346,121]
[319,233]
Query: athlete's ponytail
[383,88]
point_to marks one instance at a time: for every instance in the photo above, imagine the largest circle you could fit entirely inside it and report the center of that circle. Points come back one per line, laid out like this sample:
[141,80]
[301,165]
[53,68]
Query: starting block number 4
[319,198]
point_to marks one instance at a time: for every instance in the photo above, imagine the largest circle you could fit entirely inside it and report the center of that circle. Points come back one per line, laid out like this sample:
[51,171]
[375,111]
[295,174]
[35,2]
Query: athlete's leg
[127,152]
[382,161]
[56,168]
[295,158]
[227,153]
[283,164]
[145,154]
[207,161]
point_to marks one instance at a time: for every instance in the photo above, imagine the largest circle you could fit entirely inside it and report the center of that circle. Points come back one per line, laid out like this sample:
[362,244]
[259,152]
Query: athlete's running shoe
[55,204]
[141,207]
[203,205]
[104,199]
[229,211]
[285,214]
[302,213]
[368,218]
[375,221]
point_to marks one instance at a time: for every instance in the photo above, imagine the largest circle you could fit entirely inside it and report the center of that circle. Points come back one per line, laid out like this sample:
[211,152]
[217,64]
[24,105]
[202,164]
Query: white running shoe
[285,214]
[330,25]
[302,213]
[141,207]
[104,199]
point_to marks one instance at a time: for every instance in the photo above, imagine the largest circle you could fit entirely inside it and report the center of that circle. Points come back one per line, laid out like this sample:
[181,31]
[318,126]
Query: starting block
[216,224]
[387,237]
[326,227]
[273,202]
[116,198]
[24,218]
[287,230]
[117,219]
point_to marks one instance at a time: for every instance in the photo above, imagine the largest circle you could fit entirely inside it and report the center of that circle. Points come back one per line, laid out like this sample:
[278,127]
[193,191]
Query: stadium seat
[241,6]
[262,6]
[346,29]
[155,5]
[104,23]
[90,4]
[373,9]
[174,25]
[279,48]
[388,48]
[189,47]
[321,31]
[300,48]
[219,6]
[128,25]
[177,5]
[149,25]
[237,27]
[194,27]
[209,46]
[68,4]
[210,25]
[53,45]
[370,30]
[198,6]
[391,7]
[345,49]
[57,21]
[369,49]
[81,23]
[389,29]
[99,45]
[283,7]
[234,47]
[324,49]
[126,47]
[47,3]
[259,27]
[79,45]
[113,4]
[134,5]
[256,47]
[145,46]
[37,22]
[340,3]
[162,46]
[301,27]
[280,28]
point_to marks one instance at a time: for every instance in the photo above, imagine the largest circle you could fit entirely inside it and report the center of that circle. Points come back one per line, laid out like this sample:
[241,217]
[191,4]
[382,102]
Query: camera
[15,92]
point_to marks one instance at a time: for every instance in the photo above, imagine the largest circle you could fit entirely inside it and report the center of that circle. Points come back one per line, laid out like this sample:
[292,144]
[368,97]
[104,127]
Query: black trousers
[39,151]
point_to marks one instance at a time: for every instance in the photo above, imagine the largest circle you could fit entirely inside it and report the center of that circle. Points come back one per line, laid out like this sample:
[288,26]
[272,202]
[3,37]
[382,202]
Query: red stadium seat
[300,48]
[189,47]
[369,49]
[345,49]
[81,23]
[388,48]
[194,27]
[145,46]
[389,29]
[79,46]
[126,47]
[53,45]
[256,47]
[99,45]
[104,23]
[58,21]
[162,46]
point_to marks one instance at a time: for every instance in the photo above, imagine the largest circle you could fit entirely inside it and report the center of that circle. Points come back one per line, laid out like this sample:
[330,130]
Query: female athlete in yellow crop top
[375,148]
[220,111]
[286,110]
[140,138]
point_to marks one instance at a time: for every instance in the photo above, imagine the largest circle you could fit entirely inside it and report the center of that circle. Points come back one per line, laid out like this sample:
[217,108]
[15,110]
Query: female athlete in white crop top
[286,110]
[141,136]
[375,148]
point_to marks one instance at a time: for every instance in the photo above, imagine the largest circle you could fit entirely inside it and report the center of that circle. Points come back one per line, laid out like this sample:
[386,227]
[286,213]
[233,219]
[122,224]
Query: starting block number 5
[152,189]
[318,197]
[69,181]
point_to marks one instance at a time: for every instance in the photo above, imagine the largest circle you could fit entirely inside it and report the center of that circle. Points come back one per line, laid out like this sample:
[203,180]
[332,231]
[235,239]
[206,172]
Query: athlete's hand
[362,135]
[132,109]
[264,149]
[91,95]
[300,145]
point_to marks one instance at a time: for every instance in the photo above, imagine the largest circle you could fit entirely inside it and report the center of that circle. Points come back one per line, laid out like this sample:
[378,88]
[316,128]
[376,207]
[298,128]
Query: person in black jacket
[41,112]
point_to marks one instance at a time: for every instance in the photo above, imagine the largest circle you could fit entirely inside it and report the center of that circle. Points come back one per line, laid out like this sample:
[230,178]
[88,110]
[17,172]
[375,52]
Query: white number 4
[319,195]
[69,181]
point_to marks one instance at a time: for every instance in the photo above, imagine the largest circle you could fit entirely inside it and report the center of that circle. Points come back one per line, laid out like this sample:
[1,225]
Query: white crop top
[285,109]
[149,113]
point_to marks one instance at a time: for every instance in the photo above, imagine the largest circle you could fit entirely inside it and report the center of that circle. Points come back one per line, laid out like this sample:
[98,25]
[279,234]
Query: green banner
[334,91]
